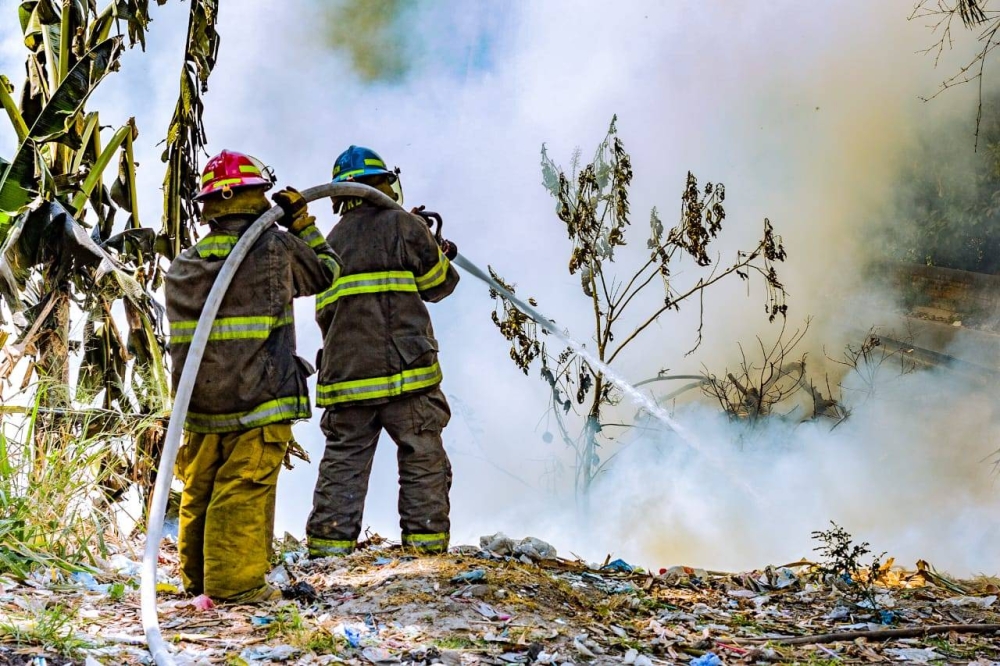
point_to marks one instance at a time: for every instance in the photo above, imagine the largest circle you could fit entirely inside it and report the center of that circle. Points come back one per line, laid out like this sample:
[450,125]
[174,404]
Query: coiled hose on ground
[157,510]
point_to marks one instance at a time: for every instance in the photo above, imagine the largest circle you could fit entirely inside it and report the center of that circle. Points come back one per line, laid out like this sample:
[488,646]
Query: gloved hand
[450,250]
[295,207]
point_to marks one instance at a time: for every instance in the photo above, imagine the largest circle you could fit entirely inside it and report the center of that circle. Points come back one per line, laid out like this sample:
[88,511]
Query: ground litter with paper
[506,605]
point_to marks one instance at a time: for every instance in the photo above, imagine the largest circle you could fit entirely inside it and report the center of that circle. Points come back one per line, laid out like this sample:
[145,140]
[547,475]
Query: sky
[805,116]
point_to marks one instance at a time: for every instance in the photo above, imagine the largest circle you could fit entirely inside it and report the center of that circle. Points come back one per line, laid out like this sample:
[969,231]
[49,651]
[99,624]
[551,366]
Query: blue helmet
[357,162]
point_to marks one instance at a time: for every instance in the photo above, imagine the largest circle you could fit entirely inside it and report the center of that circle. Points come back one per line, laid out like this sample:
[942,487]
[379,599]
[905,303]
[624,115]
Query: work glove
[295,207]
[450,249]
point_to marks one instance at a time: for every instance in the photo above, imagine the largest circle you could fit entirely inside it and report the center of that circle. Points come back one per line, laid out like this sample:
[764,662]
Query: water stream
[635,395]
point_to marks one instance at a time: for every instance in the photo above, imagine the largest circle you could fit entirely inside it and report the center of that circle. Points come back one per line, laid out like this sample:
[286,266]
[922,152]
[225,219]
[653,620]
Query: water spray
[634,394]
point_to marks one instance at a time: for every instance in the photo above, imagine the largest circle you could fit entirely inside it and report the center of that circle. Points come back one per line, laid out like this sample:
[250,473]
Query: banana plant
[70,231]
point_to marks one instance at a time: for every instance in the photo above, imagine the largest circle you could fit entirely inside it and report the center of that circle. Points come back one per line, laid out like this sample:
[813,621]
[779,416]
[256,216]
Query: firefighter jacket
[250,375]
[377,337]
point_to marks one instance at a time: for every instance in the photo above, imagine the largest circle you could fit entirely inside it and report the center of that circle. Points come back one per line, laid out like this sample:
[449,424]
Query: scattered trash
[707,659]
[202,603]
[919,655]
[531,548]
[536,549]
[87,580]
[276,653]
[474,576]
[279,576]
[123,565]
[979,602]
[301,590]
[539,614]
[379,655]
[498,544]
[618,565]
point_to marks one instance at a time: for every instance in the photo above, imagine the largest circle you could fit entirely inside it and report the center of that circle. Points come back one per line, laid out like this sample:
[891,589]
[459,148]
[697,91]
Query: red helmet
[229,170]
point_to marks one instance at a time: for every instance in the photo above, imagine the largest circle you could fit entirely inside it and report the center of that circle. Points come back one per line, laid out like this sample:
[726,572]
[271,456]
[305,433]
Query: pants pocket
[261,452]
[431,411]
[185,454]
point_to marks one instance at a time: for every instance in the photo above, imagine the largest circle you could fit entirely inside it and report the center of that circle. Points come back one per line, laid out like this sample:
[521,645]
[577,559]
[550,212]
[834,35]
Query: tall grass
[59,473]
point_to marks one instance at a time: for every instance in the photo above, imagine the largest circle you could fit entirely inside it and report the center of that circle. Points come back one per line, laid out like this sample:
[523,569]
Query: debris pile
[509,601]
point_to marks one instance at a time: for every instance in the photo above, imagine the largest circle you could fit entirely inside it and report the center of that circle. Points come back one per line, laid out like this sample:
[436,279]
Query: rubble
[383,606]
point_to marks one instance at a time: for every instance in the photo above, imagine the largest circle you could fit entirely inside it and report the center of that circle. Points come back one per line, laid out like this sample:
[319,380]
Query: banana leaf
[73,92]
[19,183]
[37,16]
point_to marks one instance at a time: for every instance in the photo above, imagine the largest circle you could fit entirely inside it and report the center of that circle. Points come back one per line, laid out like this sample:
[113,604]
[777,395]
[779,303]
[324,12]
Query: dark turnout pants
[415,423]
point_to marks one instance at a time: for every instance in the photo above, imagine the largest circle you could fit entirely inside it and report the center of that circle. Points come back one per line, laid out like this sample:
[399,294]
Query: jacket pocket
[416,350]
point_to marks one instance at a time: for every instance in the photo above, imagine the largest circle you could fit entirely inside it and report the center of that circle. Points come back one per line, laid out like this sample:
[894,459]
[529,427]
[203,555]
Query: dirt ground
[472,606]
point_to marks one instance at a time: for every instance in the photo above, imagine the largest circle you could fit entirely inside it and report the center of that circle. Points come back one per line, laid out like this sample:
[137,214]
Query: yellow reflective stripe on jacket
[378,387]
[273,411]
[434,276]
[232,328]
[366,283]
[216,245]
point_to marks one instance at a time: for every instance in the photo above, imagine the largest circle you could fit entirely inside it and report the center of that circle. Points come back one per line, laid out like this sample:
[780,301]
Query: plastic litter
[474,576]
[261,620]
[707,659]
[88,581]
[498,544]
[919,655]
[121,564]
[202,603]
[301,590]
[379,655]
[276,653]
[979,602]
[618,565]
[535,549]
[382,561]
[279,576]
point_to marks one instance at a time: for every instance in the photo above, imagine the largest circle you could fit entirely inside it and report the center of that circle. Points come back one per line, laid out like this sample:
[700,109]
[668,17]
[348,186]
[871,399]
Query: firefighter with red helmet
[251,385]
[379,367]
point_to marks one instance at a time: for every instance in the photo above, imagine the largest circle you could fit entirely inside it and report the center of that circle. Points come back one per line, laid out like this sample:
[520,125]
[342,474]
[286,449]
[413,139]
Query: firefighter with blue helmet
[379,368]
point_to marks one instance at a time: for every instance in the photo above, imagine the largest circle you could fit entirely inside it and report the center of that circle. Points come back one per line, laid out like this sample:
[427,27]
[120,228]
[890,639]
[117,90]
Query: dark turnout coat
[250,375]
[378,342]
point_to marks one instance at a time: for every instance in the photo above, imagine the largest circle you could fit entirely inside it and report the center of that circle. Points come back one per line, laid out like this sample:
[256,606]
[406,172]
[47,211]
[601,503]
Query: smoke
[805,116]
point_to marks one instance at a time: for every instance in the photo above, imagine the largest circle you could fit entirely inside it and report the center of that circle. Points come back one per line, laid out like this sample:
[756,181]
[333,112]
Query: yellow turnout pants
[227,509]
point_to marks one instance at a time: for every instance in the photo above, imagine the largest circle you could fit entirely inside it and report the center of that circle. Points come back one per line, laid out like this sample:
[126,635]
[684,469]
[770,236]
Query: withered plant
[593,204]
